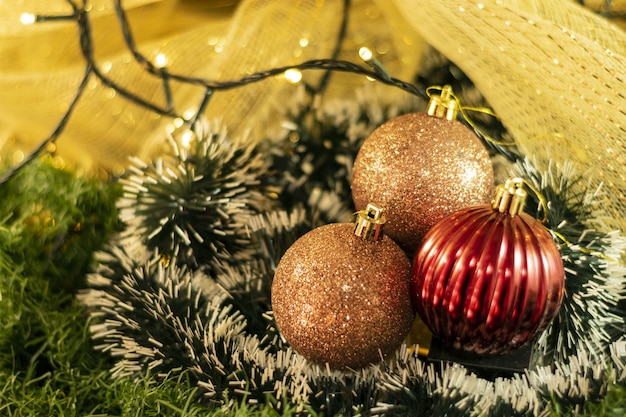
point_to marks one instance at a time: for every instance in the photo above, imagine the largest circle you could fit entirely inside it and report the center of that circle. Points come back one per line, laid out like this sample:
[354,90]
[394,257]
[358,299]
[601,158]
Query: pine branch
[194,204]
[592,313]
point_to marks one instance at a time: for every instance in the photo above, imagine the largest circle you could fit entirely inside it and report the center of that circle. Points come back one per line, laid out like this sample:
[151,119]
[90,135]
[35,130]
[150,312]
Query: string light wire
[81,16]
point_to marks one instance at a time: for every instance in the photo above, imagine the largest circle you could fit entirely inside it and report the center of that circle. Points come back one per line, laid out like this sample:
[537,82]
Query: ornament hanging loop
[510,197]
[369,222]
[443,105]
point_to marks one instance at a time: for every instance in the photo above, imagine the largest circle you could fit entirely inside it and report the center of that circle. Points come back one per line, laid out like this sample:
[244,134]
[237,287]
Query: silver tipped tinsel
[155,314]
[592,315]
[194,202]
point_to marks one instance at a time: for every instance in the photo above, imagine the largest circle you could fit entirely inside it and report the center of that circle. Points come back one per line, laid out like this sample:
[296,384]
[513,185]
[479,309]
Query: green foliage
[52,221]
[193,202]
[612,405]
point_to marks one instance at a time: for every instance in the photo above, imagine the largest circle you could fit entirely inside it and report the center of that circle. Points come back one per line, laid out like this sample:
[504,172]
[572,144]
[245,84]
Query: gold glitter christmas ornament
[340,294]
[421,167]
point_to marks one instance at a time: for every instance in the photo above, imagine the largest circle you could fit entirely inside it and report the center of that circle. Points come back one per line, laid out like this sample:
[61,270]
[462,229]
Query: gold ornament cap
[510,197]
[443,106]
[369,222]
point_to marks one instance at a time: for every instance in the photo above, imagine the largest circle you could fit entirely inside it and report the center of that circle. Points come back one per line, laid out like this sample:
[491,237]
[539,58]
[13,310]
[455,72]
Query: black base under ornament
[488,366]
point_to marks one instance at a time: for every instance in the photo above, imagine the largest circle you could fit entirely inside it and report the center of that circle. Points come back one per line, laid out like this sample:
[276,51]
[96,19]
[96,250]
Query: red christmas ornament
[341,293]
[488,278]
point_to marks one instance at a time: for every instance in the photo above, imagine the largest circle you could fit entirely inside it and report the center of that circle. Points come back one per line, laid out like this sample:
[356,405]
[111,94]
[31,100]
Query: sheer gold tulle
[553,71]
[226,40]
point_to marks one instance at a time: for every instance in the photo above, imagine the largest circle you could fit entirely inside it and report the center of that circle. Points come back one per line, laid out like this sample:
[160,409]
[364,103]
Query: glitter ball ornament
[488,278]
[421,167]
[340,294]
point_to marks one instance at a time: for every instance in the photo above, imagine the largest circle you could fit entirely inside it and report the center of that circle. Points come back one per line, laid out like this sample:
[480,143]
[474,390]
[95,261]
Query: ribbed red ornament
[488,278]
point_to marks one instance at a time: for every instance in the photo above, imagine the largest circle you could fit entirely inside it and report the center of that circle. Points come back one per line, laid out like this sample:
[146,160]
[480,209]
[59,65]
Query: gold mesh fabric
[42,67]
[198,39]
[555,74]
[553,71]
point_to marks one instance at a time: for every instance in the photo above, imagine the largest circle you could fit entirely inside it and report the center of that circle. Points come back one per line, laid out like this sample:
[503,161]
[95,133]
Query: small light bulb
[106,66]
[366,54]
[51,147]
[368,57]
[186,138]
[293,76]
[188,114]
[28,18]
[178,122]
[161,60]
[18,156]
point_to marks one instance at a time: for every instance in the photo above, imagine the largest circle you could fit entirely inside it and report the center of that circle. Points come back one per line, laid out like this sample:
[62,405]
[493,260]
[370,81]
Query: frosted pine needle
[319,145]
[272,233]
[590,317]
[157,318]
[142,312]
[195,202]
[411,386]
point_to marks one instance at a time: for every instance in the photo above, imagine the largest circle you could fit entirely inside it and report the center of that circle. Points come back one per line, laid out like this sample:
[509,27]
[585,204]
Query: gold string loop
[566,242]
[464,114]
[542,199]
[544,206]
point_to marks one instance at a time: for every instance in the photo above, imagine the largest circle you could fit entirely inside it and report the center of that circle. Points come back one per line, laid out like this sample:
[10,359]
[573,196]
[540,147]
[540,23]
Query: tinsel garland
[591,317]
[197,198]
[158,314]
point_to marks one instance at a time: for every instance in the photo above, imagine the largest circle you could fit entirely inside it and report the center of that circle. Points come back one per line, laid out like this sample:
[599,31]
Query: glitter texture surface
[341,299]
[420,168]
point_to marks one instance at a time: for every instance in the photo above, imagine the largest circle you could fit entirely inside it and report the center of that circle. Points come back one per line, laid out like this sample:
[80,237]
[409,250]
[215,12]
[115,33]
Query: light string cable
[163,73]
[81,17]
[83,23]
[329,64]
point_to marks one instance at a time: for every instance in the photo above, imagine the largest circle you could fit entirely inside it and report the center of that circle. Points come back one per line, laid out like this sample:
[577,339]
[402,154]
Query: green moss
[613,404]
[52,221]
